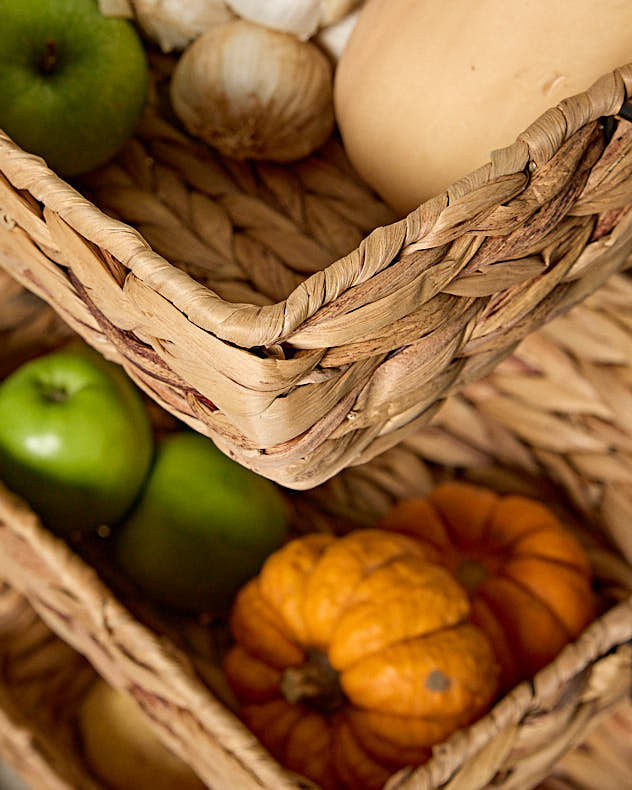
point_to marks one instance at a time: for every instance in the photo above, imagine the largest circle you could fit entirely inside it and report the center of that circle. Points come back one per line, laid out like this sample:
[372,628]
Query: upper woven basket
[269,314]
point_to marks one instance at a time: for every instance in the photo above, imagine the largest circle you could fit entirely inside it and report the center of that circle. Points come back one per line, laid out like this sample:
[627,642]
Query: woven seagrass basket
[171,664]
[282,311]
[43,680]
[603,761]
[43,683]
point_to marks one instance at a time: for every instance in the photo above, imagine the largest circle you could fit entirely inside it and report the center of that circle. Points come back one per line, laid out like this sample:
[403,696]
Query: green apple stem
[54,394]
[49,58]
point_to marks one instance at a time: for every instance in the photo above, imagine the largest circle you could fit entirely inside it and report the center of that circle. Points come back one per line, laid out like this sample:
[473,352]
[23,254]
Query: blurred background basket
[43,682]
[170,664]
[282,311]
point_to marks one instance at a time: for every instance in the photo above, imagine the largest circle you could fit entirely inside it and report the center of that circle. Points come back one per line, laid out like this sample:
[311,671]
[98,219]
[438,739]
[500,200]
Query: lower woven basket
[42,681]
[497,431]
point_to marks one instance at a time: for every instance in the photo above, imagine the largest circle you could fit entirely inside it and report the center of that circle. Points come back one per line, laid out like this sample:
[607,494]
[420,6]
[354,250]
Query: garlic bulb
[333,39]
[173,24]
[254,93]
[301,17]
[333,10]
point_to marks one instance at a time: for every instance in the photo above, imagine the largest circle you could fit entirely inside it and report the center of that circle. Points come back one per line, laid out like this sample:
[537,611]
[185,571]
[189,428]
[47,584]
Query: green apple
[72,82]
[75,439]
[202,527]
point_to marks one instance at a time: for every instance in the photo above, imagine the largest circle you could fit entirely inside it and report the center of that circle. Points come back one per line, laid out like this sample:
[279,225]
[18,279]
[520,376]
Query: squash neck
[315,684]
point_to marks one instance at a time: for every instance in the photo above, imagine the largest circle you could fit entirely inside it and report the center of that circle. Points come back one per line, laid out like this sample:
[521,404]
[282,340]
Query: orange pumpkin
[354,656]
[528,578]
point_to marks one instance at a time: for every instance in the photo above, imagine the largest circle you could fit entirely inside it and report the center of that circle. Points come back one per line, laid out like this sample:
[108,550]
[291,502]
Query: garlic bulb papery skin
[173,24]
[254,93]
[301,17]
[333,39]
[332,11]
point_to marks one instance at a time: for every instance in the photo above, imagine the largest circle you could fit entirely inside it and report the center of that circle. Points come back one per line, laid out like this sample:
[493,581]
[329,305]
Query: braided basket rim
[252,326]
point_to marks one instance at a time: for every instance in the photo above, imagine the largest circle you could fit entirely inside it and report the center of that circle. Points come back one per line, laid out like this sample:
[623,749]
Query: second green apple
[202,527]
[75,439]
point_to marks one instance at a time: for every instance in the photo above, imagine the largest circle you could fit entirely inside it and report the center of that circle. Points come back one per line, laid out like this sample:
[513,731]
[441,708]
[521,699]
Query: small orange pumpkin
[354,656]
[528,577]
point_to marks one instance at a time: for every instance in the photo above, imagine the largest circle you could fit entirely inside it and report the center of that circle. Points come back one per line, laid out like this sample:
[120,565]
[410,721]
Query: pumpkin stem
[315,684]
[471,573]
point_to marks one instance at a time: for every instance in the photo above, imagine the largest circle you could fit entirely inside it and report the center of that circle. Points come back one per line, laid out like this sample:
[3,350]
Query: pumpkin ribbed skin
[528,578]
[354,655]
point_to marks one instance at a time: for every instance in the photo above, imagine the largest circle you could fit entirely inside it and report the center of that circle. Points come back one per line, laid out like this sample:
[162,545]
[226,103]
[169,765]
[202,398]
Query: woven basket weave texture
[170,664]
[267,312]
[42,682]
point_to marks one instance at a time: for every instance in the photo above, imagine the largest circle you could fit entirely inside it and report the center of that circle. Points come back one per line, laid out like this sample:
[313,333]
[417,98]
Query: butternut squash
[425,90]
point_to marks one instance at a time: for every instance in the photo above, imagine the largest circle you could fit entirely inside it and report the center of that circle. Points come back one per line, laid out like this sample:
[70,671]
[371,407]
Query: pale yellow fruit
[123,750]
[425,90]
